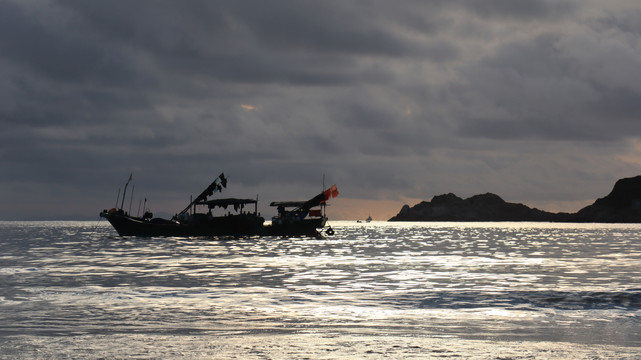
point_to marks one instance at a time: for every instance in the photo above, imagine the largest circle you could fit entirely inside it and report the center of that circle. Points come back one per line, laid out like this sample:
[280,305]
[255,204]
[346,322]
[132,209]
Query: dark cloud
[521,9]
[541,56]
[49,42]
[389,100]
[628,21]
[539,88]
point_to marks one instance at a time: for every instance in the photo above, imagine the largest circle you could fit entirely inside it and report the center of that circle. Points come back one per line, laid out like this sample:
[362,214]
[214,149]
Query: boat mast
[324,204]
[131,199]
[122,204]
[211,189]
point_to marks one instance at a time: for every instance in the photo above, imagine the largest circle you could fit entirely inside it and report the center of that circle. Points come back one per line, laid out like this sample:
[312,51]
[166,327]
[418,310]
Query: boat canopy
[224,203]
[300,205]
[307,205]
[287,204]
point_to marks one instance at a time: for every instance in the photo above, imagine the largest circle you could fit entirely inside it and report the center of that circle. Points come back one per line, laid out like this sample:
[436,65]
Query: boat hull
[304,227]
[232,225]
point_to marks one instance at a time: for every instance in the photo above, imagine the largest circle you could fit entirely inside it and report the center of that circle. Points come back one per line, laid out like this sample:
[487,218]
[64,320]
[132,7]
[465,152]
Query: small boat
[298,218]
[188,222]
[304,218]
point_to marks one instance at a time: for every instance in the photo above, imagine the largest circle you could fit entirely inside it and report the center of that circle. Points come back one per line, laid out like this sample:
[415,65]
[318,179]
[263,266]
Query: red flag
[332,192]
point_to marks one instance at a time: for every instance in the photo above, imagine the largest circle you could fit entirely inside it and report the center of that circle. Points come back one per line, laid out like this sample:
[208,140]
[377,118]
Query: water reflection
[546,282]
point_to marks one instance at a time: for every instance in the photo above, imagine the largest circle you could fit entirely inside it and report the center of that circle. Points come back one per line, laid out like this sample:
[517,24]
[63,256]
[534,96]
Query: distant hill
[622,205]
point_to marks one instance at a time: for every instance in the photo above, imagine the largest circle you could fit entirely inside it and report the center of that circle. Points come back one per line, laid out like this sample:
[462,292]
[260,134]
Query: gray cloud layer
[535,100]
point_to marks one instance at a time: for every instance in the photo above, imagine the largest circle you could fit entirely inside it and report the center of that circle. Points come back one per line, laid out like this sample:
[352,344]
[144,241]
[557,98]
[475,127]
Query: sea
[379,290]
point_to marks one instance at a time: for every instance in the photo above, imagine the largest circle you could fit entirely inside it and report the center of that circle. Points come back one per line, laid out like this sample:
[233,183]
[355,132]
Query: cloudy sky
[394,101]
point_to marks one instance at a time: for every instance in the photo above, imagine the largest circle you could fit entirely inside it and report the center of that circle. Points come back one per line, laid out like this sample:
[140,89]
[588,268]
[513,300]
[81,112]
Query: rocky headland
[621,205]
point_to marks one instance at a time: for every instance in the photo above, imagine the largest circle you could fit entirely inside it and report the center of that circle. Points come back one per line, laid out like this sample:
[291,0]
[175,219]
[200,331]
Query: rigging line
[95,229]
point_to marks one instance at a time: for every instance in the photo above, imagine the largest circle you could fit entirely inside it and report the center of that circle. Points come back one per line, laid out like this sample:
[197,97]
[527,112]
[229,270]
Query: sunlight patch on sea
[373,290]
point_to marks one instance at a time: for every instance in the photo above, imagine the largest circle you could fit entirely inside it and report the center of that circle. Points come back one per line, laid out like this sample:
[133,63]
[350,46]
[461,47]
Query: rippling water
[376,290]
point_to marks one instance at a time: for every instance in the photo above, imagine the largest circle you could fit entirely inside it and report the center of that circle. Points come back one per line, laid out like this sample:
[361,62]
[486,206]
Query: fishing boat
[302,218]
[369,219]
[189,222]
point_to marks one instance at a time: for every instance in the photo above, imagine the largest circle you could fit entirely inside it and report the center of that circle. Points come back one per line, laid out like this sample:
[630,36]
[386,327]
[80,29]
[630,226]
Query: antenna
[117,198]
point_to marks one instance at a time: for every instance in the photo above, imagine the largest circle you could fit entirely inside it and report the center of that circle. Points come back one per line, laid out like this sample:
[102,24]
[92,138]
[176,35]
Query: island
[621,205]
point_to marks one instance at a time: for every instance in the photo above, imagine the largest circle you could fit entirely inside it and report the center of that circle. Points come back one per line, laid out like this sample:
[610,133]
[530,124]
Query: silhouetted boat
[369,219]
[305,218]
[191,223]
